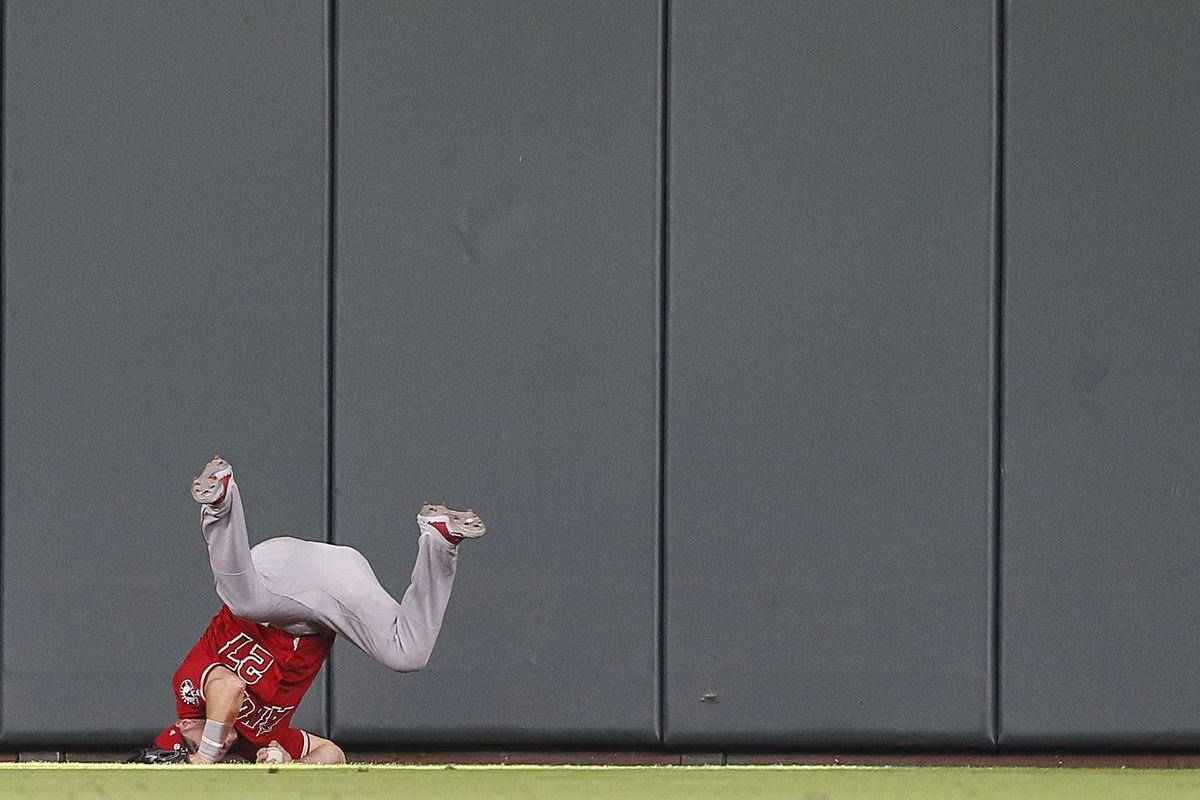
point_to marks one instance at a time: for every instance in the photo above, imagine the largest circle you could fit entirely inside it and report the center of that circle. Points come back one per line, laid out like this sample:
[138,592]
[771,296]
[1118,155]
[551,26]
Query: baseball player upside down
[283,603]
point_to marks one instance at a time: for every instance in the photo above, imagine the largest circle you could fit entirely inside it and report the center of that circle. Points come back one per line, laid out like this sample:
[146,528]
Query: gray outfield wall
[826,372]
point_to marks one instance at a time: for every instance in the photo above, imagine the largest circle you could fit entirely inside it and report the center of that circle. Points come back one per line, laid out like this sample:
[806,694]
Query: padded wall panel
[497,320]
[828,485]
[165,297]
[1102,372]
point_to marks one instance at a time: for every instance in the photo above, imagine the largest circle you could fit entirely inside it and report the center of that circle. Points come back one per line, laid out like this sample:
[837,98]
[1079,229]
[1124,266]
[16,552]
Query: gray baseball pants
[305,587]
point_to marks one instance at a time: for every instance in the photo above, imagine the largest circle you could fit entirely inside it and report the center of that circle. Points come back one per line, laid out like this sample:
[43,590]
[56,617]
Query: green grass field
[374,782]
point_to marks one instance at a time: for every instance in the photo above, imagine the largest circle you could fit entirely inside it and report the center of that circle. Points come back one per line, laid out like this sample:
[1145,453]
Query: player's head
[178,741]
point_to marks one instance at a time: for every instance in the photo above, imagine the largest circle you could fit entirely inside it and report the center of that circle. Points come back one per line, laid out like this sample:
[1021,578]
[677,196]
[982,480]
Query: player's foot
[453,526]
[211,485]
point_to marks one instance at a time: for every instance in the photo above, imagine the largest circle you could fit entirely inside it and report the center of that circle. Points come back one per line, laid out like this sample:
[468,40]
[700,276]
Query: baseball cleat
[211,485]
[454,526]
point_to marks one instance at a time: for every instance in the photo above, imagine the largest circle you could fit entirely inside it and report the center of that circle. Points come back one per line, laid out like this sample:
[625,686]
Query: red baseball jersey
[277,668]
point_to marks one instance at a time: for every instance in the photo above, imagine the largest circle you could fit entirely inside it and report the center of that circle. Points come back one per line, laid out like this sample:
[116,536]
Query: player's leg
[339,586]
[291,581]
[223,523]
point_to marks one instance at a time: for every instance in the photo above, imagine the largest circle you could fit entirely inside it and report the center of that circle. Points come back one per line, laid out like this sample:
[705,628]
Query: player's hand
[196,758]
[273,753]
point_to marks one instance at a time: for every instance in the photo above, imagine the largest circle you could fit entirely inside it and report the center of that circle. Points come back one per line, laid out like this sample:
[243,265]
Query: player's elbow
[335,754]
[224,684]
[323,752]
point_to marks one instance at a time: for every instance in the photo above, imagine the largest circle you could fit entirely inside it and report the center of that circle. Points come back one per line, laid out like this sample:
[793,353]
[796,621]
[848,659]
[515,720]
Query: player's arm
[323,751]
[320,751]
[223,695]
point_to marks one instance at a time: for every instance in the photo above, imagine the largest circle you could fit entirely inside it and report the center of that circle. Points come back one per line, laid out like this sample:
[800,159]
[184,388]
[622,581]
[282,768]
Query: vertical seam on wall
[664,243]
[999,68]
[331,300]
[3,311]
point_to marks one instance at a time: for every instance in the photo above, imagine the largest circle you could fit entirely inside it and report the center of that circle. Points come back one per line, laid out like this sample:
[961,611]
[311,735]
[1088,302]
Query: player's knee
[409,662]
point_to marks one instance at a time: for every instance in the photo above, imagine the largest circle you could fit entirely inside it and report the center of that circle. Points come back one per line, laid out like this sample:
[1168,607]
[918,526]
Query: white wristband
[212,741]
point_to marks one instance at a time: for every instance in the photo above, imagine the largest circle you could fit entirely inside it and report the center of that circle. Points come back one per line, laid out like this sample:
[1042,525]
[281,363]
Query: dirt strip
[1133,760]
